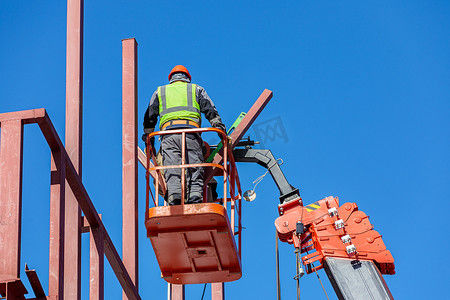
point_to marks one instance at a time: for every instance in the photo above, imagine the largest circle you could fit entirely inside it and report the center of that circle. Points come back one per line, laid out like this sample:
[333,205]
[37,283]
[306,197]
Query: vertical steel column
[129,160]
[97,264]
[177,291]
[217,291]
[73,144]
[56,247]
[10,197]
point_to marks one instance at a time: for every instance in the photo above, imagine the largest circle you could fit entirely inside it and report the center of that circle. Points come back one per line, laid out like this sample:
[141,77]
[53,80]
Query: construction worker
[179,105]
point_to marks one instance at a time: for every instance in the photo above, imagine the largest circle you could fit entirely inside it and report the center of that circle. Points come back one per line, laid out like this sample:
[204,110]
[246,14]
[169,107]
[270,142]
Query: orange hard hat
[178,69]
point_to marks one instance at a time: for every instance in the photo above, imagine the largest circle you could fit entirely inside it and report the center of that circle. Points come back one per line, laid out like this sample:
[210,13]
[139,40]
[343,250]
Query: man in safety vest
[179,105]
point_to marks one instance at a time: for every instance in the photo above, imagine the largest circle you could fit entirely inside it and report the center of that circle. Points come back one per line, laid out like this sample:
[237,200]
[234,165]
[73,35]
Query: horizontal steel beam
[27,116]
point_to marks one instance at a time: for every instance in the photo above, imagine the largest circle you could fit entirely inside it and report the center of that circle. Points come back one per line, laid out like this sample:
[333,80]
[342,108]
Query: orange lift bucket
[195,243]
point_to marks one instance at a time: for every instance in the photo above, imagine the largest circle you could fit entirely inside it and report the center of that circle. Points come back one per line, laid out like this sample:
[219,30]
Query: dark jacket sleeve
[208,108]
[151,114]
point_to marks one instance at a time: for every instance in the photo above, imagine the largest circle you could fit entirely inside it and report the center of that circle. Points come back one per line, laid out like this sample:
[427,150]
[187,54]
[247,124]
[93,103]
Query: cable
[319,278]
[260,178]
[297,265]
[277,266]
[204,289]
[321,283]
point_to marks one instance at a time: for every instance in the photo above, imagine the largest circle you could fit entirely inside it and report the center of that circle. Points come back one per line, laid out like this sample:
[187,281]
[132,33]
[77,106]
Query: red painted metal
[242,128]
[177,292]
[57,210]
[199,236]
[217,291]
[96,259]
[94,221]
[74,116]
[153,168]
[193,243]
[59,154]
[13,289]
[96,262]
[26,116]
[129,160]
[34,282]
[183,168]
[323,238]
[10,197]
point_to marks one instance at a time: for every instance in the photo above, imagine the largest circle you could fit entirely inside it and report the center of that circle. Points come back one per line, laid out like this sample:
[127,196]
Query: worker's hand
[217,123]
[152,140]
[147,131]
[219,135]
[221,126]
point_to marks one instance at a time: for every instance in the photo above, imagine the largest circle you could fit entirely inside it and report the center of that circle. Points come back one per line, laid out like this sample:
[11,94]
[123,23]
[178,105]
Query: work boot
[195,197]
[174,199]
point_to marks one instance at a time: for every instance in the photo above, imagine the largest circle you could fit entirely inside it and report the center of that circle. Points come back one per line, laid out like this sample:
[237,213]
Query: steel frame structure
[67,193]
[62,170]
[68,197]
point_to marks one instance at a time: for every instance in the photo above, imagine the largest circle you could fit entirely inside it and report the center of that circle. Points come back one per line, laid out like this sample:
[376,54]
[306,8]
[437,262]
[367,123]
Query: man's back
[179,104]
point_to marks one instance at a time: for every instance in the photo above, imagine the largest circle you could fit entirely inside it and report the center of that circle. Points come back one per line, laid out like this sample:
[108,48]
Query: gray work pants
[171,153]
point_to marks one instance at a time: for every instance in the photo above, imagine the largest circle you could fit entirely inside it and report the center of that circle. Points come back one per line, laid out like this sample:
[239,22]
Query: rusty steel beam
[217,291]
[94,221]
[57,211]
[241,129]
[177,292]
[73,141]
[97,265]
[40,116]
[11,140]
[88,208]
[129,160]
[85,227]
[11,159]
[34,282]
[96,260]
[13,289]
[27,116]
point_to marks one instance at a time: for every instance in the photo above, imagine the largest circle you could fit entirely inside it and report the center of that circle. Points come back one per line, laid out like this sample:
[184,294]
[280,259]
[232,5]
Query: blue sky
[362,89]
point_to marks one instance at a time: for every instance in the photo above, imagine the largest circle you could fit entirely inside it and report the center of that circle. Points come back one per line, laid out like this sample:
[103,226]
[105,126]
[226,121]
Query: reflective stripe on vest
[178,101]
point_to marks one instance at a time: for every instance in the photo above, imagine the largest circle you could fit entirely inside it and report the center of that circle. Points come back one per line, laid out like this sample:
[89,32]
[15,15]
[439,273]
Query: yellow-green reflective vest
[178,101]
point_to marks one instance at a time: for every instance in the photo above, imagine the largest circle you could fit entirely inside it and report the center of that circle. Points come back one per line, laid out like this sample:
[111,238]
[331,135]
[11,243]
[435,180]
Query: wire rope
[297,265]
[260,178]
[321,283]
[318,277]
[277,266]
[204,289]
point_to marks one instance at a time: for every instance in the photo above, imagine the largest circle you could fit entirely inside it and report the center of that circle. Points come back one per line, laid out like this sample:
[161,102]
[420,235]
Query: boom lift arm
[339,239]
[266,159]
